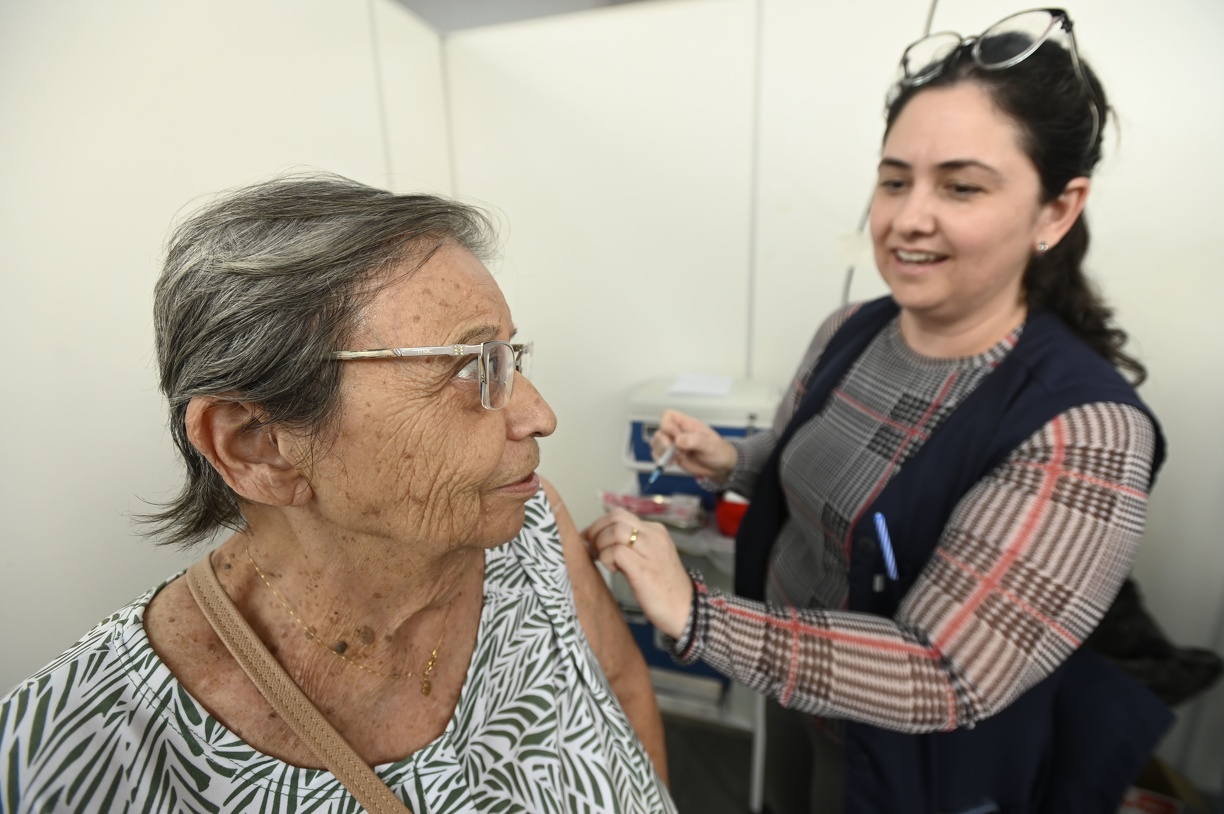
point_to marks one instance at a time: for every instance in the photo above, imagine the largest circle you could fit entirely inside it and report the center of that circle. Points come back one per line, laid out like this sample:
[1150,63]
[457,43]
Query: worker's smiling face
[957,212]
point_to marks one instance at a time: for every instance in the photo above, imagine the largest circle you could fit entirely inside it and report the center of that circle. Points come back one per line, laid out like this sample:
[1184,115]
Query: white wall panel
[617,146]
[409,77]
[824,73]
[114,117]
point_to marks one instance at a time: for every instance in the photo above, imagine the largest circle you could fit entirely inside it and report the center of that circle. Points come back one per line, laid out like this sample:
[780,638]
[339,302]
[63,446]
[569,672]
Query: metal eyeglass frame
[1059,19]
[483,351]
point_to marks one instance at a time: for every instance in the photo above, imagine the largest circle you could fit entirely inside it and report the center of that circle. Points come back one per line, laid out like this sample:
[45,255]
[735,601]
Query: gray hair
[257,288]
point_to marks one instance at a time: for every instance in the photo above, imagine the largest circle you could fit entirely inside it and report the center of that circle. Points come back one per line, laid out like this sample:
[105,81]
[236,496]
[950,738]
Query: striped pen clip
[890,562]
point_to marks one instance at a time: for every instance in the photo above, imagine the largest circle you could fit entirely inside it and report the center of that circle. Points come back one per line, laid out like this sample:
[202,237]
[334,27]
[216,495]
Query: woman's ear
[253,458]
[1059,215]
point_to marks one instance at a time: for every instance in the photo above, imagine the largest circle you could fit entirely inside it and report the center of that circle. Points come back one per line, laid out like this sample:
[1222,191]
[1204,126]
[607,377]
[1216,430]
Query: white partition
[617,143]
[409,77]
[821,118]
[114,117]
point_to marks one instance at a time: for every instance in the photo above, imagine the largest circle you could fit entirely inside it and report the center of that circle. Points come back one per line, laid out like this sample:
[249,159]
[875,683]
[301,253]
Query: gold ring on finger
[633,535]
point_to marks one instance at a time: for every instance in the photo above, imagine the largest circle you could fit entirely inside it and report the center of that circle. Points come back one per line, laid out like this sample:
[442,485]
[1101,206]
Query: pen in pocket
[890,562]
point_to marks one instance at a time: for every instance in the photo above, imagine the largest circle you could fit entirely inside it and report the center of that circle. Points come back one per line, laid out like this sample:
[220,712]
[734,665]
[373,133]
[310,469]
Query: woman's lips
[916,261]
[528,485]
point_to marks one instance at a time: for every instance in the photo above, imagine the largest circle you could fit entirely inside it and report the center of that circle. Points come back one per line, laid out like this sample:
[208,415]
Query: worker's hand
[700,450]
[645,554]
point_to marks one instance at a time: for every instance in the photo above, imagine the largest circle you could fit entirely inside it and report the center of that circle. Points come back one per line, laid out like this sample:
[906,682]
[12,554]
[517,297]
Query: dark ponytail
[1046,98]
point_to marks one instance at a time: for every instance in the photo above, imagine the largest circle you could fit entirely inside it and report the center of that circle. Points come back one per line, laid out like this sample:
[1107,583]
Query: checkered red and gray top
[1023,572]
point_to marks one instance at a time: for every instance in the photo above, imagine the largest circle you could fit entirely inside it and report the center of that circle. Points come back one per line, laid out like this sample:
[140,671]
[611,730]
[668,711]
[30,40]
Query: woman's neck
[967,336]
[336,611]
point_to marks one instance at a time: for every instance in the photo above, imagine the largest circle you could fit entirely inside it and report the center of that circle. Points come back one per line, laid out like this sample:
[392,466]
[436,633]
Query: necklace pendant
[425,686]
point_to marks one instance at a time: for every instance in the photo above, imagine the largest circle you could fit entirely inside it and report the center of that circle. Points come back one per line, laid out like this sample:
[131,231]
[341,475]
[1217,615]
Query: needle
[664,461]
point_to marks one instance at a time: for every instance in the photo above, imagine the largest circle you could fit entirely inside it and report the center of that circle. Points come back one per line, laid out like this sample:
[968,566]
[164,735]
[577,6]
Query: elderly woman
[346,391]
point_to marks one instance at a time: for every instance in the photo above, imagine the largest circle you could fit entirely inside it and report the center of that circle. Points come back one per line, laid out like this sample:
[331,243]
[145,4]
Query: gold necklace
[426,686]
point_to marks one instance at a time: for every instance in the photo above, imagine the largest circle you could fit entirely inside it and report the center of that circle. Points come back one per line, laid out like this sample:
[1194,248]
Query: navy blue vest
[1072,743]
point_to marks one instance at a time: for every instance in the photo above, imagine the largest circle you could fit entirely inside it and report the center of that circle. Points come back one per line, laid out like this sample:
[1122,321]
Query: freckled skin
[376,535]
[431,457]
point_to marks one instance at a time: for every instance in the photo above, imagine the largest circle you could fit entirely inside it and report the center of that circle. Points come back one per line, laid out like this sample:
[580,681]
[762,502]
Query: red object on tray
[728,512]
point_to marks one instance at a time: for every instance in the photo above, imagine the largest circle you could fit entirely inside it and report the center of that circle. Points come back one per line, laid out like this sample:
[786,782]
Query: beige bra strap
[286,698]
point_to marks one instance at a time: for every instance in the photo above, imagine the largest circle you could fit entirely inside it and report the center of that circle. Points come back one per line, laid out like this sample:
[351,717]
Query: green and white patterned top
[106,727]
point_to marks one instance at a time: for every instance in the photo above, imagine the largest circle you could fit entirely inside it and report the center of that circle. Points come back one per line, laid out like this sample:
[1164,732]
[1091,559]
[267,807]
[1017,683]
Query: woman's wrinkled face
[415,458]
[957,209]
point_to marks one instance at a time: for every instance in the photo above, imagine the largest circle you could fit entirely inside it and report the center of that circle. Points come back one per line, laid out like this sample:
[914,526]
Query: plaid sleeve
[1025,569]
[754,450]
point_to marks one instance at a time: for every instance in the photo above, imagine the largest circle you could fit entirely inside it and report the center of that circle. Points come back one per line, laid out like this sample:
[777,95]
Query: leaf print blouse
[107,727]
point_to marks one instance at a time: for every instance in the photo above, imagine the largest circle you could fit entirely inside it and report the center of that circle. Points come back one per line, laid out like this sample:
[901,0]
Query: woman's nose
[528,413]
[915,214]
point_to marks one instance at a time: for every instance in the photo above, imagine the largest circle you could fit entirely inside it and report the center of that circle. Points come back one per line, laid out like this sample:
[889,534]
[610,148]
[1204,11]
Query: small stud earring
[1042,248]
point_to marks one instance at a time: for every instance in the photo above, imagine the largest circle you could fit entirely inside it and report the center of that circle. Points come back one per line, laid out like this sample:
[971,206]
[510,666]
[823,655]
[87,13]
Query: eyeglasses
[496,363]
[1006,43]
